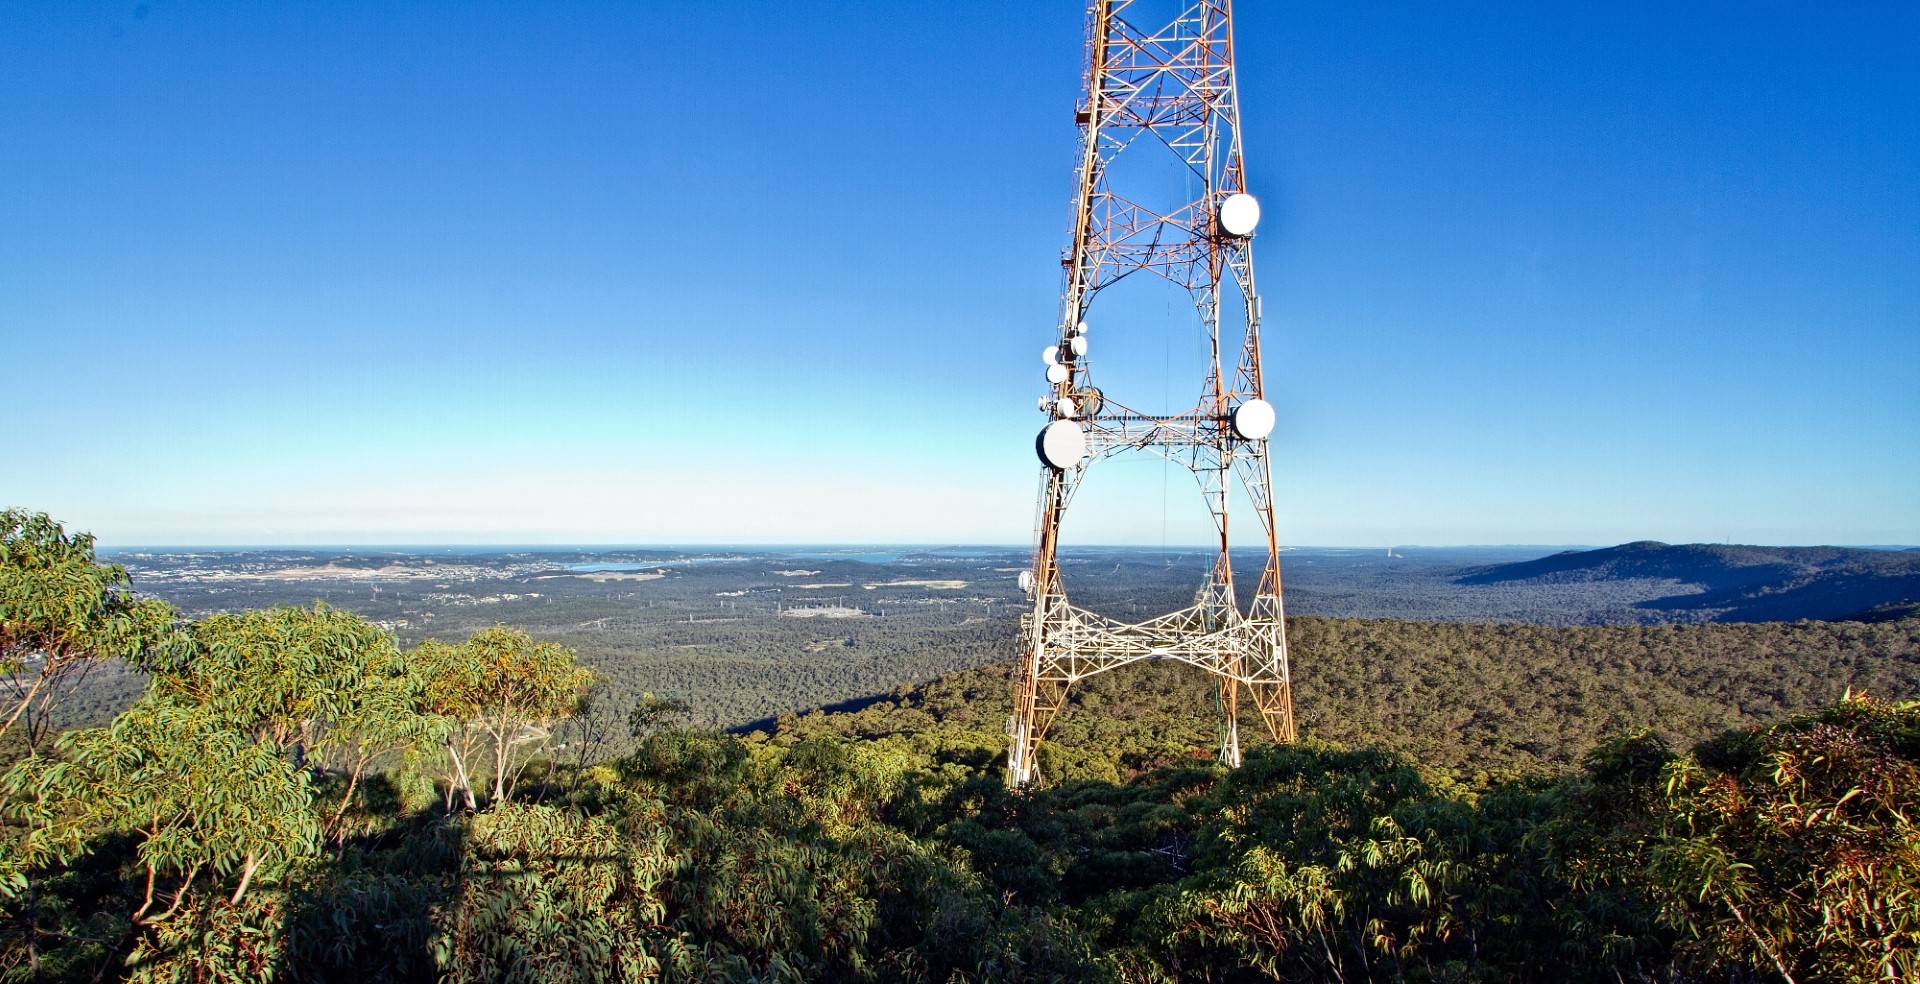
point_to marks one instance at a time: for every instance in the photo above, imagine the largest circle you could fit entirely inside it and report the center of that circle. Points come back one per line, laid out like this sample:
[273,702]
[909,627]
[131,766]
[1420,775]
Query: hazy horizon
[927,546]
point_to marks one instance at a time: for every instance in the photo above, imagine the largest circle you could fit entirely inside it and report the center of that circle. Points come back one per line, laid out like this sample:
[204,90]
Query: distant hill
[1732,583]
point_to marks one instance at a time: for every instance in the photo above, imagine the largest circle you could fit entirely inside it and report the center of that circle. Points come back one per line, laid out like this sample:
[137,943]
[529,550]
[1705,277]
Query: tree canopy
[502,687]
[294,799]
[60,611]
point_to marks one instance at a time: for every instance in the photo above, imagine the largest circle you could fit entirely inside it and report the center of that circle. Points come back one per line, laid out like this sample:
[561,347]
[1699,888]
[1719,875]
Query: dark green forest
[1472,701]
[297,794]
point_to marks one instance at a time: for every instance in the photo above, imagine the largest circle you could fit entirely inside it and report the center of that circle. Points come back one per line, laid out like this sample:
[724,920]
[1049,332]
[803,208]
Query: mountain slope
[1732,583]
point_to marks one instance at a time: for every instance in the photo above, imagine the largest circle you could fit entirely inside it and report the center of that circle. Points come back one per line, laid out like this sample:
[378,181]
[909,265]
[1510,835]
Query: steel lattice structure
[1168,92]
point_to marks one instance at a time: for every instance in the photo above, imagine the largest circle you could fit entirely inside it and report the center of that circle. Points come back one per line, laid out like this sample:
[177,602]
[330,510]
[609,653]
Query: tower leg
[1230,723]
[1275,701]
[1034,708]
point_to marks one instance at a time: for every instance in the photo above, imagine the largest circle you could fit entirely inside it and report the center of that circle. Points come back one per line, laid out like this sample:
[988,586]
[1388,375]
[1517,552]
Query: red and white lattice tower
[1158,94]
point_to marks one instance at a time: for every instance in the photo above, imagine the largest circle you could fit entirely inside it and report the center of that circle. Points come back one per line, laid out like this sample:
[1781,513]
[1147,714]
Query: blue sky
[756,272]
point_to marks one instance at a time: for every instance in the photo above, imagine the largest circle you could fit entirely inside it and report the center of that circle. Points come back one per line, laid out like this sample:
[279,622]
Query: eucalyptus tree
[652,714]
[287,675]
[388,719]
[324,687]
[590,734]
[1796,850]
[451,686]
[505,689]
[61,612]
[202,803]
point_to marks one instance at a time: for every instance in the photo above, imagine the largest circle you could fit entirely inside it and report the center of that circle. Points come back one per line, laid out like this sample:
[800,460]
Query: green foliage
[1798,848]
[652,714]
[262,815]
[1477,702]
[502,688]
[323,685]
[60,610]
[304,679]
[1311,862]
[550,895]
[815,857]
[1308,872]
[791,870]
[197,799]
[216,939]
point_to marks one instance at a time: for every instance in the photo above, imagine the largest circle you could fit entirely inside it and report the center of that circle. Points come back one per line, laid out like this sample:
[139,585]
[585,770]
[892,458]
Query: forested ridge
[1737,583]
[1475,700]
[296,795]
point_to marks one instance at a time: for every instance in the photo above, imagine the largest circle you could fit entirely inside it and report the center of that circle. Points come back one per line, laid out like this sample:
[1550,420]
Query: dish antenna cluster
[1165,92]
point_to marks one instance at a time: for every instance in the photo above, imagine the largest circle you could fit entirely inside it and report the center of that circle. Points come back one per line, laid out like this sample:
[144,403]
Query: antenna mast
[1168,93]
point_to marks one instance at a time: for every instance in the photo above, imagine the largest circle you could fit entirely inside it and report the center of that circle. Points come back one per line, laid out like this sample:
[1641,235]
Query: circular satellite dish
[1056,373]
[1081,327]
[1050,354]
[1078,345]
[1065,406]
[1239,214]
[1061,445]
[1026,582]
[1253,420]
[1044,403]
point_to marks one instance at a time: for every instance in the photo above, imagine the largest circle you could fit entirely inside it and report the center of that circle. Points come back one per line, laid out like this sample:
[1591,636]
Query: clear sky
[365,272]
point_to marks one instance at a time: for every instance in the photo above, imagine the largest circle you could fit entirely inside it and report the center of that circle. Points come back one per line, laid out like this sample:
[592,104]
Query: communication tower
[1158,94]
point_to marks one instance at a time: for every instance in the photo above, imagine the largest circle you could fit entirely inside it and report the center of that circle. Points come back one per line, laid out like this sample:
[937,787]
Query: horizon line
[928,546]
